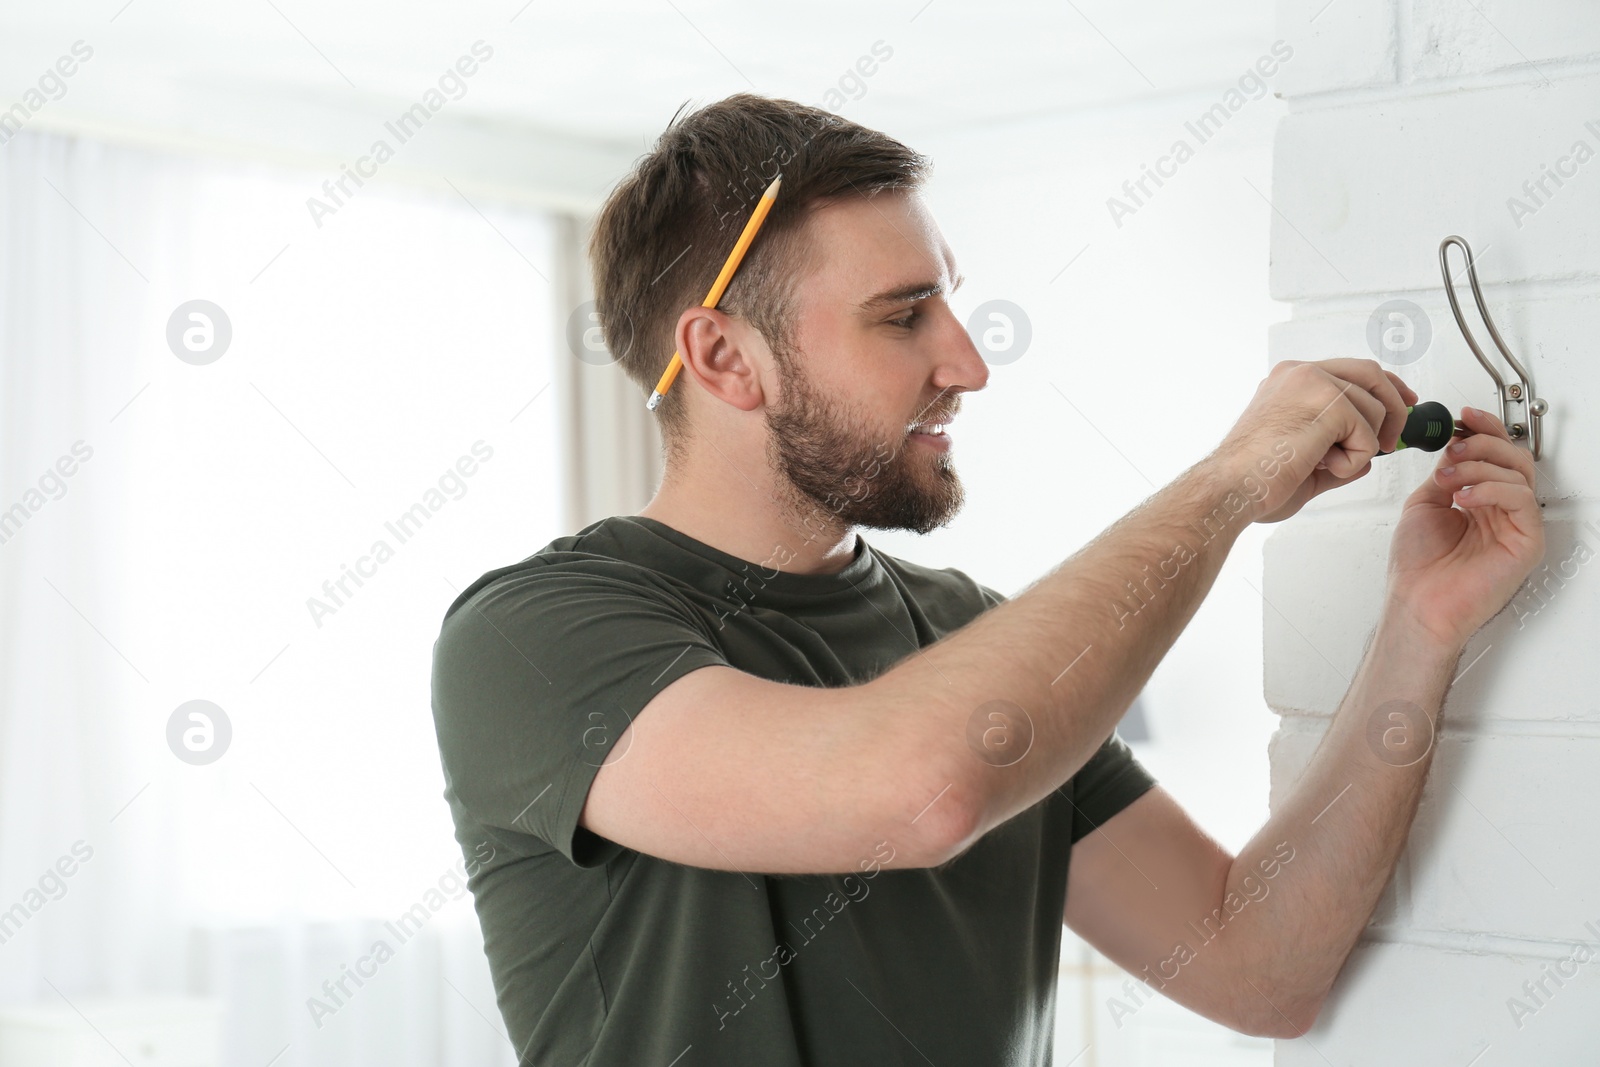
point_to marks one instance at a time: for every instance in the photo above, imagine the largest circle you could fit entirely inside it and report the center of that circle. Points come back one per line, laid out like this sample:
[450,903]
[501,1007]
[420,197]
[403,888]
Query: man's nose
[961,364]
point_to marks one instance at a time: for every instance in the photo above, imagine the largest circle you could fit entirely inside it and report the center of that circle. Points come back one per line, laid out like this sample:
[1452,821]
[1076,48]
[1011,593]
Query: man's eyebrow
[900,294]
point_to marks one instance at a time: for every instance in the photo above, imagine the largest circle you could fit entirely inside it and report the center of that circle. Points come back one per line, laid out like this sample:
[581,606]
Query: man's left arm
[1256,941]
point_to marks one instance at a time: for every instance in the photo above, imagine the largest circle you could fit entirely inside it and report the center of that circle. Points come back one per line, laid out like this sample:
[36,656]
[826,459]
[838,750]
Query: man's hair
[666,229]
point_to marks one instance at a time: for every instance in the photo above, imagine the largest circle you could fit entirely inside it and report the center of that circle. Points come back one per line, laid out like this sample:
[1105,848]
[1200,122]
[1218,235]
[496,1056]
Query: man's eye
[905,321]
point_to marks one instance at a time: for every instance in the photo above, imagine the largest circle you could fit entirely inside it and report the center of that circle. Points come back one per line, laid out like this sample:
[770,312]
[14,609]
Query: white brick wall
[1410,120]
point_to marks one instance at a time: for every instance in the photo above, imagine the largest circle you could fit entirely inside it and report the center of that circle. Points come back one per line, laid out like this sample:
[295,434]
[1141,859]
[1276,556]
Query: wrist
[1401,626]
[1223,495]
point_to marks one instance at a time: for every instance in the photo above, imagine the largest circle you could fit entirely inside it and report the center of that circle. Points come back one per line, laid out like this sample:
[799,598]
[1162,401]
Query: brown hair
[667,227]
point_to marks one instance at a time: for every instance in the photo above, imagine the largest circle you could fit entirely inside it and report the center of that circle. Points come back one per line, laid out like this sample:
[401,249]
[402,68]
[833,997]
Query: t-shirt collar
[770,573]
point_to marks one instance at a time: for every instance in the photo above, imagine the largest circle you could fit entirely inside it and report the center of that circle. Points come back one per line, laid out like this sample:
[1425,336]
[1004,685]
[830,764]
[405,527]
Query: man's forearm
[1014,703]
[1346,821]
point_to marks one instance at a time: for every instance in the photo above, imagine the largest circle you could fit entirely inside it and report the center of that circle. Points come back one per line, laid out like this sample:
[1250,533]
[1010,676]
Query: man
[752,791]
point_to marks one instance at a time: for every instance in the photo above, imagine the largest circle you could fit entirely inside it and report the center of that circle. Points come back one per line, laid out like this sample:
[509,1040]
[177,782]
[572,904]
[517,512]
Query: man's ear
[725,355]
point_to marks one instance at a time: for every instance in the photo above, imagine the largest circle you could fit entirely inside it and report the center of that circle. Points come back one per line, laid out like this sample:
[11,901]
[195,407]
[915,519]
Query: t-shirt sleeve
[991,597]
[536,677]
[1109,782]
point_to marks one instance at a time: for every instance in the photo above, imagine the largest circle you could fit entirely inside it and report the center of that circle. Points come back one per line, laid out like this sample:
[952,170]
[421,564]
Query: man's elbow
[946,809]
[952,825]
[1284,1018]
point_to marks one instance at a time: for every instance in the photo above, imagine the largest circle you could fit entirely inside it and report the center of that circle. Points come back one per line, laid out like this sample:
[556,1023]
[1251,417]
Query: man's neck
[746,516]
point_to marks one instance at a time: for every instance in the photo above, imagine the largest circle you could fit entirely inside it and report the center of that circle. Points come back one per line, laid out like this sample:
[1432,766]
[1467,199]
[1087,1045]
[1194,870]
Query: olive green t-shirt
[602,955]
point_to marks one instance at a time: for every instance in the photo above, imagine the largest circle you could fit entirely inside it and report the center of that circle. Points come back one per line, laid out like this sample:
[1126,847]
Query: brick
[1493,848]
[1519,667]
[1364,194]
[1445,38]
[1398,1005]
[1339,45]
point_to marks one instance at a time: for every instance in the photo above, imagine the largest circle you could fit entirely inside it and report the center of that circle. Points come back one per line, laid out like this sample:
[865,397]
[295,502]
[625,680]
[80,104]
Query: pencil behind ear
[718,287]
[718,352]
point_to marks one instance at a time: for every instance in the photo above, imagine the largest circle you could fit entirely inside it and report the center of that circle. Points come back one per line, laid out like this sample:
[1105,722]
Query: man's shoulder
[947,581]
[597,554]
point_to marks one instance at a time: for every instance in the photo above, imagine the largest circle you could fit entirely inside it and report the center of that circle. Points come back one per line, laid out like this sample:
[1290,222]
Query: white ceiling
[602,79]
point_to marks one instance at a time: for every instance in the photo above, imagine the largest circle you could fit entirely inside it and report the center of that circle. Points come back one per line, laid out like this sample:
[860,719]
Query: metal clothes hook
[1520,409]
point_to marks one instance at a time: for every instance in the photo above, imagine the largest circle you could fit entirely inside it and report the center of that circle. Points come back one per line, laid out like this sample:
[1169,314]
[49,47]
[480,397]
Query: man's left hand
[1452,568]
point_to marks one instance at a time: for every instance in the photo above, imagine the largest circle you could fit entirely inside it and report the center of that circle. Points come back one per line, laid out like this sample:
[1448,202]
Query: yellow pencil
[757,217]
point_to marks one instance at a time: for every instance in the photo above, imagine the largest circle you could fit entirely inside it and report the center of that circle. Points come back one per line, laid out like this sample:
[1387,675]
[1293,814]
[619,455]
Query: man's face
[879,353]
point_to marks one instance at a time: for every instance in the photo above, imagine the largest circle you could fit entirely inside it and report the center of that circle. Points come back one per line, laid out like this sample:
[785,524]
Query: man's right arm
[728,771]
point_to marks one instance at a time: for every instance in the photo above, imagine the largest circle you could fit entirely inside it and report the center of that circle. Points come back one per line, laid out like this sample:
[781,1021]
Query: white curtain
[612,443]
[174,530]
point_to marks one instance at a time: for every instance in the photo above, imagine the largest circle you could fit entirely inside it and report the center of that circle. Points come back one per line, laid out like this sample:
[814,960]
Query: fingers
[1357,403]
[1518,503]
[1480,421]
[1476,472]
[1407,394]
[1340,459]
[1375,413]
[1381,396]
[1489,444]
[1487,457]
[1347,455]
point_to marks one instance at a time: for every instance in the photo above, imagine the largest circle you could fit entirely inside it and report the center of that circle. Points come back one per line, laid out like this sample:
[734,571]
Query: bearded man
[755,792]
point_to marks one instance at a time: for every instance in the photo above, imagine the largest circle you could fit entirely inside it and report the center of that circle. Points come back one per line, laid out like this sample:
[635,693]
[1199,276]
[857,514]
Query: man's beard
[840,470]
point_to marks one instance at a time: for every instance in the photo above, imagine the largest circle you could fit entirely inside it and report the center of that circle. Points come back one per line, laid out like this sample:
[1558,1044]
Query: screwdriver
[1426,428]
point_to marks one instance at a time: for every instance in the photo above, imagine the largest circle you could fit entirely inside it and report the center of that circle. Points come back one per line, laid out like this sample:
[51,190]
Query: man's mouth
[931,434]
[933,425]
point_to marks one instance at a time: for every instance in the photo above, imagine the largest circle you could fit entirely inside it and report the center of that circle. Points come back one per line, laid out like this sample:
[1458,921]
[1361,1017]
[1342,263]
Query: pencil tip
[772,190]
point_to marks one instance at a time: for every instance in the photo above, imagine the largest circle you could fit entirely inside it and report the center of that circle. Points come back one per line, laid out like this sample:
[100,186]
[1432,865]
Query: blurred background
[237,353]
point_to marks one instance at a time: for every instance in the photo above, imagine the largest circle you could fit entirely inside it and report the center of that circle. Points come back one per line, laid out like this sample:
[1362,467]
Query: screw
[1515,392]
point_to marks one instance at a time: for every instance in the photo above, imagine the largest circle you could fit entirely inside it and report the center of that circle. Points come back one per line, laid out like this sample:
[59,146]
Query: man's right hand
[1312,427]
